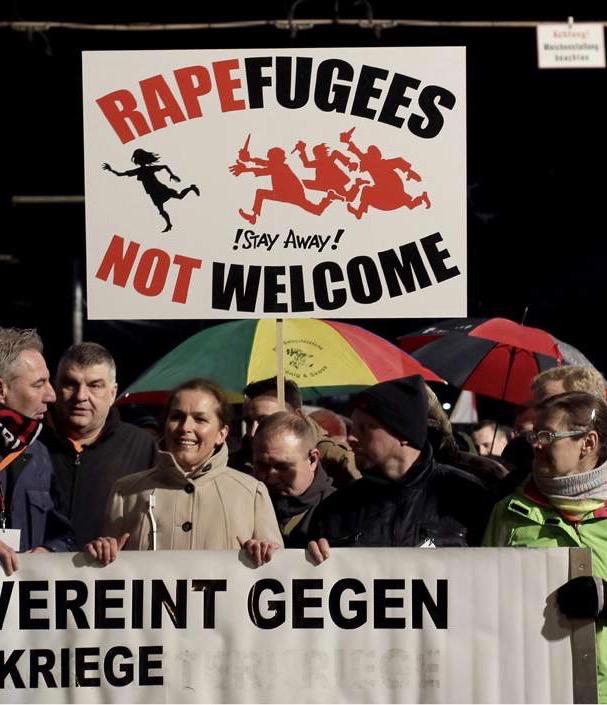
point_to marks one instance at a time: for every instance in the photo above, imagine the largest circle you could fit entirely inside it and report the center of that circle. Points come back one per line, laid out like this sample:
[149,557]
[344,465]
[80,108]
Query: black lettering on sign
[301,602]
[208,589]
[146,665]
[125,669]
[359,607]
[420,598]
[328,300]
[177,609]
[6,592]
[256,80]
[396,97]
[436,258]
[65,668]
[366,89]
[329,95]
[381,603]
[42,662]
[81,666]
[137,604]
[272,288]
[277,606]
[432,123]
[400,270]
[63,604]
[287,95]
[27,603]
[8,667]
[363,276]
[298,293]
[235,287]
[103,603]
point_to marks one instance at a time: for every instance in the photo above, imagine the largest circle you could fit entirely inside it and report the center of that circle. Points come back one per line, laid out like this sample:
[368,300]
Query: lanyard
[7,460]
[2,510]
[4,463]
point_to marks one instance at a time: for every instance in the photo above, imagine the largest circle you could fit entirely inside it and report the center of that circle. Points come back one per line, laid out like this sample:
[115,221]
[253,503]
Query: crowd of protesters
[74,476]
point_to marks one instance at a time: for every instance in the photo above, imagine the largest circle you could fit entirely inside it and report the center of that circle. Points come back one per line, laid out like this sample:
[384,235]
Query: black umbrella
[495,357]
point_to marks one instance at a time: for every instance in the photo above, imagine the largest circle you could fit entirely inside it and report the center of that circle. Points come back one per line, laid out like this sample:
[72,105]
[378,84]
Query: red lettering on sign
[226,85]
[120,108]
[119,260]
[160,102]
[193,82]
[151,272]
[186,266]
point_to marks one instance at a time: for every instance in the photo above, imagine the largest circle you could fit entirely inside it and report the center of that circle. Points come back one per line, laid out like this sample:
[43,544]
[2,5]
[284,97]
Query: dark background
[536,155]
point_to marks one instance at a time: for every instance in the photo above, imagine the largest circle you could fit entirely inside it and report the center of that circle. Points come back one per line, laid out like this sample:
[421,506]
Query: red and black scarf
[16,431]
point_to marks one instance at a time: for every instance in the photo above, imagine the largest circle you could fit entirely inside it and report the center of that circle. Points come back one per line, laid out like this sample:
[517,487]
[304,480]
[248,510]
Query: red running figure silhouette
[286,186]
[387,192]
[328,175]
[146,173]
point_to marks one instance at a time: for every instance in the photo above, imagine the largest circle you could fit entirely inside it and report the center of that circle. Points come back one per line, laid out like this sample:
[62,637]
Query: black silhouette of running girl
[146,173]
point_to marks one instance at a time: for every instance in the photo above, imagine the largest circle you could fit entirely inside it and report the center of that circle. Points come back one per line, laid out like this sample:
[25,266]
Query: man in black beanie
[405,497]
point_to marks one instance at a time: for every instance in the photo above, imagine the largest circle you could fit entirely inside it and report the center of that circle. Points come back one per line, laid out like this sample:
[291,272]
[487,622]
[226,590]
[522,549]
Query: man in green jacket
[564,503]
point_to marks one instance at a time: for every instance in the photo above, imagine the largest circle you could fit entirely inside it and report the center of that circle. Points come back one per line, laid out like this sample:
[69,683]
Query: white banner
[369,625]
[276,182]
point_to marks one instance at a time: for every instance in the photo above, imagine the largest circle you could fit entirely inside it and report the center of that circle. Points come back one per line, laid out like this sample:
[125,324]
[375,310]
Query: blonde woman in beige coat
[190,499]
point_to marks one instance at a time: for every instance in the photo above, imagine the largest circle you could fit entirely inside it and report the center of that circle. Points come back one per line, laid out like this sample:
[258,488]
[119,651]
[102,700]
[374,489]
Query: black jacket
[519,453]
[432,505]
[86,479]
[29,486]
[295,513]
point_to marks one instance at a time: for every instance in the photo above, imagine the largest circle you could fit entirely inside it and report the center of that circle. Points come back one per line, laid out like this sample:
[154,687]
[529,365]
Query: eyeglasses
[545,438]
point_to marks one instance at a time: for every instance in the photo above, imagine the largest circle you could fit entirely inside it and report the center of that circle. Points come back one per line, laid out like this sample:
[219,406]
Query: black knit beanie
[401,405]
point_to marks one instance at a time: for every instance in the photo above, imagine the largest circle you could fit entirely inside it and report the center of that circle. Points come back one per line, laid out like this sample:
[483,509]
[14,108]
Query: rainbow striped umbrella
[323,357]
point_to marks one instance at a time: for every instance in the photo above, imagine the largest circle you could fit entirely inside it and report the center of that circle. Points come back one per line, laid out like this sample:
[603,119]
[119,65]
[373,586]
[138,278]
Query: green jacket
[526,519]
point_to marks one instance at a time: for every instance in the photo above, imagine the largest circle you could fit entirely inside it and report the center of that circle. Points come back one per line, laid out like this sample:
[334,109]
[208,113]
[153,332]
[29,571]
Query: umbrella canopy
[573,356]
[495,357]
[323,357]
[413,341]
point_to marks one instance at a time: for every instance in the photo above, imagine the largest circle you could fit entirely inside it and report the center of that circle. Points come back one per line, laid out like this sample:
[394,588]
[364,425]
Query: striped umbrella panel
[485,367]
[323,357]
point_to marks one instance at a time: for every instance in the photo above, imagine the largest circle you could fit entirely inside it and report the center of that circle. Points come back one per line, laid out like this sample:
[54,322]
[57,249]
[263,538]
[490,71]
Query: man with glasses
[556,380]
[545,438]
[564,503]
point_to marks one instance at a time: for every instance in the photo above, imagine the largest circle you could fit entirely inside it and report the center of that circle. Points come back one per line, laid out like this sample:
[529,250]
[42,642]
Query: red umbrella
[495,357]
[413,341]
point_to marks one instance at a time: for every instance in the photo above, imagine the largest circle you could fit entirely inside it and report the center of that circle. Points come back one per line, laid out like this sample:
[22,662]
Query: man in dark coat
[286,459]
[405,497]
[29,516]
[91,448]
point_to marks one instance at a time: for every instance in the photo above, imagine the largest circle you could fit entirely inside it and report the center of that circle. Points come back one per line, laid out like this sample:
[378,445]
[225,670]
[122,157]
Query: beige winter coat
[208,510]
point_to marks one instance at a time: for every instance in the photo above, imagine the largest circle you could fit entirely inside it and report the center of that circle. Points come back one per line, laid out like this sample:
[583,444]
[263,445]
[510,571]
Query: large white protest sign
[369,625]
[276,182]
